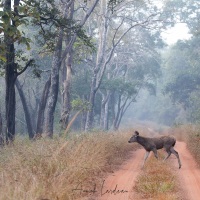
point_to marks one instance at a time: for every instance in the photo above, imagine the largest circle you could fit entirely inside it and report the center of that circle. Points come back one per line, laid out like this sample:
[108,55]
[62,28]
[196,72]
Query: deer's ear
[136,133]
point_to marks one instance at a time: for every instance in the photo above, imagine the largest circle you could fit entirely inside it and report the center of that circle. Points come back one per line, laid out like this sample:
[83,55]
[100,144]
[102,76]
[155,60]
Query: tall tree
[112,29]
[1,131]
[67,54]
[53,93]
[10,24]
[185,12]
[15,14]
[183,81]
[42,106]
[26,110]
[66,106]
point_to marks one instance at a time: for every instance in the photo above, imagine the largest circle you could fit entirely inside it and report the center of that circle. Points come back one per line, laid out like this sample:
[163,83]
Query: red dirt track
[124,178]
[189,174]
[119,185]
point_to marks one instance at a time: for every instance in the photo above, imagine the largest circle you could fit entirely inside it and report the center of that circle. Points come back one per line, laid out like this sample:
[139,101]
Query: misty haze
[78,78]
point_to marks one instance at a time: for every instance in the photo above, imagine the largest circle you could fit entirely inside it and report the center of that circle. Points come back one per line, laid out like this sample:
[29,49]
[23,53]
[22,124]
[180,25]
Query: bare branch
[73,39]
[27,65]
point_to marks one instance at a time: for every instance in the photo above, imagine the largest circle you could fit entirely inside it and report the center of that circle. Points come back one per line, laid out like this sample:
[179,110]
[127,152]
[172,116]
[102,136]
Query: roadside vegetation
[157,181]
[55,168]
[191,135]
[194,143]
[52,168]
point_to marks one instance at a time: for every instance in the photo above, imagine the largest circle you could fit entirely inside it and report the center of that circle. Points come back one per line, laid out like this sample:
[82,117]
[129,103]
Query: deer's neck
[142,141]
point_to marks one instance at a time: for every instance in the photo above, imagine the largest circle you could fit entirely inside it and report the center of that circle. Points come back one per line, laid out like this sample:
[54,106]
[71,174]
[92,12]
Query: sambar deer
[153,144]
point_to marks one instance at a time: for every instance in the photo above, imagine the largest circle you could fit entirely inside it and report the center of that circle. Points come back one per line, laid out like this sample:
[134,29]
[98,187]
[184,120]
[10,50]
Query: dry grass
[183,132]
[156,182]
[33,171]
[191,135]
[193,142]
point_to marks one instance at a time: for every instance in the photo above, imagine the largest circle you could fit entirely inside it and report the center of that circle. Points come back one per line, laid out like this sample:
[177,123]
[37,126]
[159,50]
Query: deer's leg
[168,154]
[145,158]
[176,154]
[155,152]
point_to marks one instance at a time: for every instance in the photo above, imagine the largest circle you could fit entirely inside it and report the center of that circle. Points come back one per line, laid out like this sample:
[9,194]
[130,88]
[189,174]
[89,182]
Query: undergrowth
[51,168]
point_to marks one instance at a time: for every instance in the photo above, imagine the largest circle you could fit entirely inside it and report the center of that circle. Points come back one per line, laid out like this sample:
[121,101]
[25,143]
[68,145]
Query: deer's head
[134,137]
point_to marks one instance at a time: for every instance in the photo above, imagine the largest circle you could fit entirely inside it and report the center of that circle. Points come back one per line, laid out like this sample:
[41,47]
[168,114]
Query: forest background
[95,65]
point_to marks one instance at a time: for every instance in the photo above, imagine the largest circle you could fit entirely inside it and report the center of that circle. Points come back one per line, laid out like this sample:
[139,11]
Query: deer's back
[159,142]
[164,141]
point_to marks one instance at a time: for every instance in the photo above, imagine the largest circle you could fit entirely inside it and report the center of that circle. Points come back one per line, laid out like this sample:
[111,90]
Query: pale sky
[178,32]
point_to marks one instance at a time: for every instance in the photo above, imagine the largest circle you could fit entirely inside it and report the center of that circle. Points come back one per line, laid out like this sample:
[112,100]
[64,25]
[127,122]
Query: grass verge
[33,171]
[191,135]
[156,182]
[193,142]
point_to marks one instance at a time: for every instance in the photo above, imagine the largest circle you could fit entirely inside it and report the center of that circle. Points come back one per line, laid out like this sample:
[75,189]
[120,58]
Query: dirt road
[189,174]
[120,184]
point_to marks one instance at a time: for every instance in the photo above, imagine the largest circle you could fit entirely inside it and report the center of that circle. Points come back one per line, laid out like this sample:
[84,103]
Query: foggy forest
[95,60]
[72,67]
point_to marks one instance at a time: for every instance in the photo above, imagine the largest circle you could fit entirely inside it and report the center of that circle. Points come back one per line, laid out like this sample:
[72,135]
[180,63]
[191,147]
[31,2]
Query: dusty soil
[119,185]
[189,174]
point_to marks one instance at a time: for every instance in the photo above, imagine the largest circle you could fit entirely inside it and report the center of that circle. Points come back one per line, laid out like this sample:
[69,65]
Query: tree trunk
[102,114]
[32,109]
[89,120]
[10,77]
[1,131]
[112,107]
[68,14]
[104,110]
[66,104]
[10,102]
[11,71]
[26,110]
[53,94]
[105,127]
[118,113]
[83,120]
[42,106]
[66,107]
[121,109]
[83,115]
[100,65]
